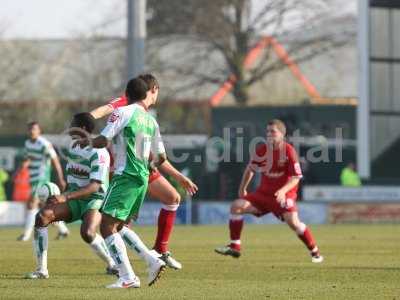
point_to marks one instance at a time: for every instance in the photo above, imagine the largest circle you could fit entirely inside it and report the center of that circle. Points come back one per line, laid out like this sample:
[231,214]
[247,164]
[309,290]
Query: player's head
[153,86]
[136,90]
[82,124]
[276,131]
[34,130]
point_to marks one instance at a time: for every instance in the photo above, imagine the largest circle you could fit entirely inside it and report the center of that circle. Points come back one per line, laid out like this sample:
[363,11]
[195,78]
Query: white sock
[100,248]
[62,227]
[40,246]
[135,243]
[117,249]
[30,222]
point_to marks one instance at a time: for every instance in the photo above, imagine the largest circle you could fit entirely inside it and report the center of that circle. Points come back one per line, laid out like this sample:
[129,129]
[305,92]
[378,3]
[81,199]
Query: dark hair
[83,120]
[150,80]
[33,123]
[136,90]
[279,124]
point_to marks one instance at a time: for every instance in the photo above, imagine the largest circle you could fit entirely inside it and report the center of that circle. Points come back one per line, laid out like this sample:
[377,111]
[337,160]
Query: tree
[228,29]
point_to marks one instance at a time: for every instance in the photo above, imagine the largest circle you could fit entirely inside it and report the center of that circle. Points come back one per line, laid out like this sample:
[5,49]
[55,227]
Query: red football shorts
[267,204]
[154,176]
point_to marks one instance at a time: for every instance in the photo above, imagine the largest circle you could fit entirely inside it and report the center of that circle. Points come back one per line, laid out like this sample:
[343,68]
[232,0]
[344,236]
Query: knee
[172,199]
[107,228]
[43,218]
[88,233]
[236,208]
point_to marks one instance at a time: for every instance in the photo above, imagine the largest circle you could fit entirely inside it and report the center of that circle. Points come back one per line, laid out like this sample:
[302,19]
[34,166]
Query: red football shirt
[118,102]
[277,166]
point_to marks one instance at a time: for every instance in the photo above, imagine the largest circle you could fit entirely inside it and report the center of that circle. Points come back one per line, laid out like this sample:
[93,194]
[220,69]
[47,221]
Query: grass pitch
[361,262]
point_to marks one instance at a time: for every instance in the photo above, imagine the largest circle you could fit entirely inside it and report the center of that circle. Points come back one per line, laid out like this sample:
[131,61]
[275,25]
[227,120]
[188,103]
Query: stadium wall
[217,213]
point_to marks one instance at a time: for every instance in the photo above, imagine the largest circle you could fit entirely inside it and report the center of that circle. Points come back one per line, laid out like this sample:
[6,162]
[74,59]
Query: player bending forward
[277,192]
[159,187]
[87,178]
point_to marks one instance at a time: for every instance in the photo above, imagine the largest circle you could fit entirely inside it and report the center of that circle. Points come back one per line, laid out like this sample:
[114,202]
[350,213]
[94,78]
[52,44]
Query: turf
[362,262]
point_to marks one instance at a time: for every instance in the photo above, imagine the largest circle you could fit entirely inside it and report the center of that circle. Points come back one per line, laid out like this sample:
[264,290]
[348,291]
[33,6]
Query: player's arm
[294,171]
[157,154]
[82,193]
[184,181]
[114,125]
[57,166]
[102,111]
[246,179]
[60,175]
[290,184]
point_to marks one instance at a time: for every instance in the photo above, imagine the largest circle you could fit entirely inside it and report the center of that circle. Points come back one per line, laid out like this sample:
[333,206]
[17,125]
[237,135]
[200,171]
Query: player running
[277,192]
[159,187]
[87,176]
[136,134]
[41,155]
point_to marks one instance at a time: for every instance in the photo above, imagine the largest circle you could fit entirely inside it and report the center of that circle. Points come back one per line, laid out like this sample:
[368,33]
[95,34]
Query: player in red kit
[159,187]
[281,173]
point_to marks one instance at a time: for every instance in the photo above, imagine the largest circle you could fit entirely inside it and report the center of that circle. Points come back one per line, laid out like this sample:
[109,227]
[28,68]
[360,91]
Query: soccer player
[278,162]
[159,187]
[87,177]
[136,134]
[41,155]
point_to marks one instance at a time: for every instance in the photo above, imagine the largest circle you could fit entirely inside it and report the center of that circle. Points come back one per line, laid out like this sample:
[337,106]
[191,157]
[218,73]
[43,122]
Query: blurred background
[327,68]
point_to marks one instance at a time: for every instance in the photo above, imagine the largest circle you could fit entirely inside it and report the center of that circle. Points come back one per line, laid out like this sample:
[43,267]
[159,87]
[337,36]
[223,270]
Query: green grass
[362,262]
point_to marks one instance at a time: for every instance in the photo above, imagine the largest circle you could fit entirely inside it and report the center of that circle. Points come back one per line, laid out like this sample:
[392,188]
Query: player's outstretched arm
[97,142]
[102,111]
[184,181]
[246,179]
[82,193]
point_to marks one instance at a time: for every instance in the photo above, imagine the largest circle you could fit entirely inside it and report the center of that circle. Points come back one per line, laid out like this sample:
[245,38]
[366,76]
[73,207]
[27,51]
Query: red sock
[235,228]
[166,221]
[308,239]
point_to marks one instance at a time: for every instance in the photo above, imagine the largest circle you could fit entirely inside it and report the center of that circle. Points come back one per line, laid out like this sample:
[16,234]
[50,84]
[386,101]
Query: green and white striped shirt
[40,152]
[85,165]
[135,134]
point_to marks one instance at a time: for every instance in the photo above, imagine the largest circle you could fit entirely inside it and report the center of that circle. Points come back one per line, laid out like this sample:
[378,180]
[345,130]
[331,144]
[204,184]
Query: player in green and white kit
[135,133]
[87,177]
[41,156]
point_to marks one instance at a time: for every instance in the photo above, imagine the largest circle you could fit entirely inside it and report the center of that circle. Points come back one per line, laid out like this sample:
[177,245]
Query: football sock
[235,229]
[117,249]
[40,245]
[136,244]
[306,236]
[100,248]
[166,220]
[30,222]
[62,227]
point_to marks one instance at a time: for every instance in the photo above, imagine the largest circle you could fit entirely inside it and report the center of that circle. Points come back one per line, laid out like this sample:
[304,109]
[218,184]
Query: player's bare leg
[161,189]
[32,208]
[90,223]
[239,207]
[304,234]
[47,215]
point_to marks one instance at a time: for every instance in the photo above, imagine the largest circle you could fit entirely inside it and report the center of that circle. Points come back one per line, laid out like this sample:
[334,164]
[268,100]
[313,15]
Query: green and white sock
[117,249]
[41,243]
[100,248]
[62,227]
[133,241]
